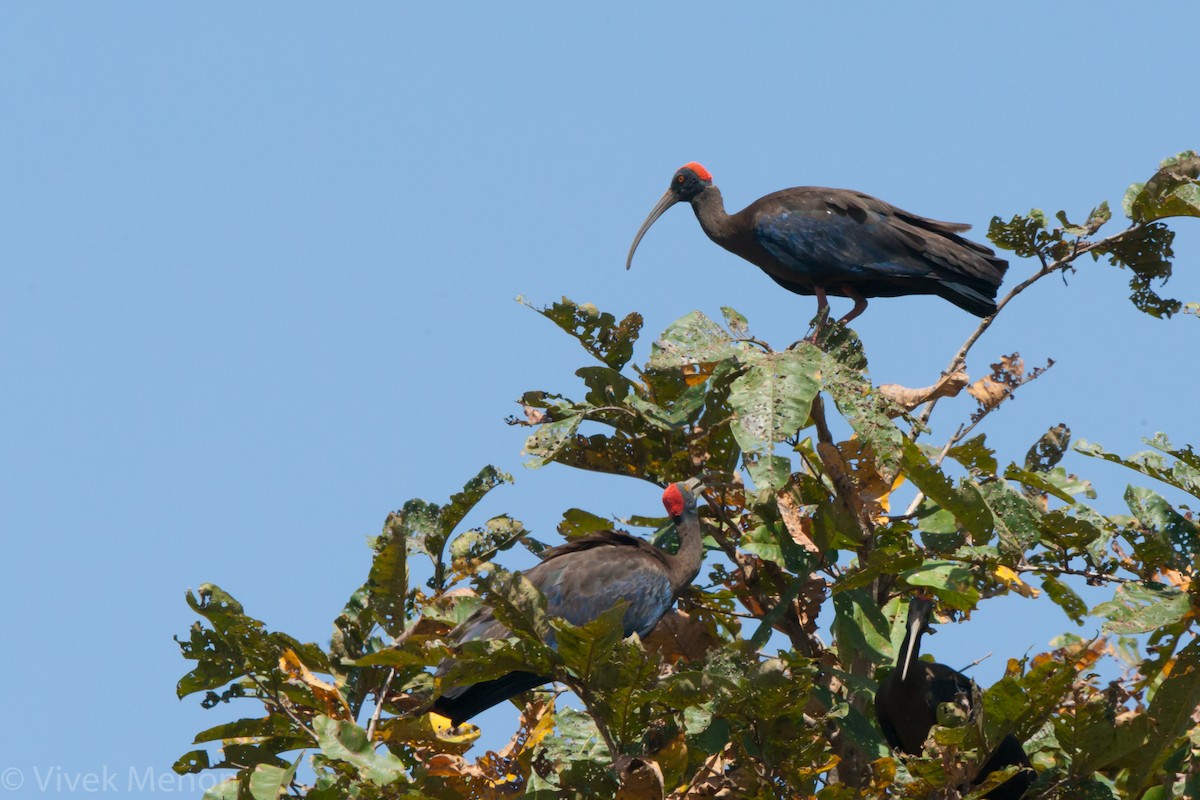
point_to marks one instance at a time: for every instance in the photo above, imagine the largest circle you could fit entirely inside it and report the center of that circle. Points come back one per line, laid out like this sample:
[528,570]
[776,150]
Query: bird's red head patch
[673,500]
[699,169]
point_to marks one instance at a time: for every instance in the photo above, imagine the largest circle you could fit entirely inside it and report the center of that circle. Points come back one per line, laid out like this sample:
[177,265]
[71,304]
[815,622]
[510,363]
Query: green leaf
[1142,608]
[577,523]
[598,332]
[272,725]
[192,761]
[1183,473]
[461,503]
[1056,482]
[518,604]
[763,632]
[471,550]
[772,400]
[227,789]
[1016,520]
[1174,191]
[387,583]
[975,455]
[949,580]
[1065,598]
[1171,710]
[548,441]
[1095,221]
[860,628]
[341,740]
[693,339]
[1025,236]
[583,647]
[1146,251]
[1048,450]
[966,504]
[737,324]
[268,782]
[1169,539]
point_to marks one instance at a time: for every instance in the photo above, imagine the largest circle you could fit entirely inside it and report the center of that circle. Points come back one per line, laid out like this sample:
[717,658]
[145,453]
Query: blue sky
[259,268]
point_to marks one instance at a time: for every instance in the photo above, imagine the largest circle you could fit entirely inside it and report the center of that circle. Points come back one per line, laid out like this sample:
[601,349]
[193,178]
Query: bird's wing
[822,236]
[582,584]
[584,578]
[837,234]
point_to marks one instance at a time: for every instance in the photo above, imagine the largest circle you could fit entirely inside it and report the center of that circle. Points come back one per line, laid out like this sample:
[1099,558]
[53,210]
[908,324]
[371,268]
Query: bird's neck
[710,210]
[685,564]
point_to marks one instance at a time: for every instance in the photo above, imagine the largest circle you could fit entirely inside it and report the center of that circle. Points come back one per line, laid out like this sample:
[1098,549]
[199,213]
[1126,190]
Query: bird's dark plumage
[581,580]
[907,701]
[813,240]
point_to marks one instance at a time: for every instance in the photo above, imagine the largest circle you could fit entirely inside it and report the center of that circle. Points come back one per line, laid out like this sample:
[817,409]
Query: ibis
[582,579]
[907,702]
[817,241]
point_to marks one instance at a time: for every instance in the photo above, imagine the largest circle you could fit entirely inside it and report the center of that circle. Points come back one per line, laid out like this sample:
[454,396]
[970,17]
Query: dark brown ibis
[817,241]
[907,702]
[581,580]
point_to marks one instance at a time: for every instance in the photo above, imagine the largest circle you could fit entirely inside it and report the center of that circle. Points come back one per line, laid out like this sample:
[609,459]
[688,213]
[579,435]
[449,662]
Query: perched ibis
[582,579]
[817,241]
[907,701]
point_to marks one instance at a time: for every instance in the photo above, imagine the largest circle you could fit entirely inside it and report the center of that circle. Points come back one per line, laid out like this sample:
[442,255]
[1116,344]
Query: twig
[755,341]
[279,701]
[976,662]
[960,358]
[841,483]
[585,695]
[1090,575]
[380,694]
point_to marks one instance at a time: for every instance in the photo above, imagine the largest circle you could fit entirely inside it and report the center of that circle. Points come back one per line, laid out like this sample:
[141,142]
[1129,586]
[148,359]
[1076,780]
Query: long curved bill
[914,630]
[664,202]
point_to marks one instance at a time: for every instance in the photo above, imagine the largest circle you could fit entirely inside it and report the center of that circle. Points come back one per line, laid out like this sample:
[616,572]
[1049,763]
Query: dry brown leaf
[808,603]
[323,692]
[640,779]
[798,524]
[1175,578]
[1007,374]
[537,720]
[681,636]
[445,765]
[852,466]
[908,399]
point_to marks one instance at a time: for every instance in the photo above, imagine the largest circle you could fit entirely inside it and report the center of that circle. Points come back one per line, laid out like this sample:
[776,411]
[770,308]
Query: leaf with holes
[772,401]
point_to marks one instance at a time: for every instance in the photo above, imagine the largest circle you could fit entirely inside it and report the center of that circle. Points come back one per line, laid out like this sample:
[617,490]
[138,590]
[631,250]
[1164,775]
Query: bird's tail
[969,298]
[462,703]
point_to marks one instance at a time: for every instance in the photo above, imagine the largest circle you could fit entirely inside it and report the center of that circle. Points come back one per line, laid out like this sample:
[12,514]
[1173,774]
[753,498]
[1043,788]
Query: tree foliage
[826,505]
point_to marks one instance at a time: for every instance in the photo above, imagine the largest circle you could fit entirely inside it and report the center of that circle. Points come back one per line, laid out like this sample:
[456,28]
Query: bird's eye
[679,179]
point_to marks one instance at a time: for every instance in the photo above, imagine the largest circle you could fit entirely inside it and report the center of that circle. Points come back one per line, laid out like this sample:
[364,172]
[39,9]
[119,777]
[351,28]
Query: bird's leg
[860,304]
[822,313]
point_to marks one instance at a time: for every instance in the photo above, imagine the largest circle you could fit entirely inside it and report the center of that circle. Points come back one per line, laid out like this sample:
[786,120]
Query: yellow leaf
[696,373]
[446,731]
[324,692]
[1008,576]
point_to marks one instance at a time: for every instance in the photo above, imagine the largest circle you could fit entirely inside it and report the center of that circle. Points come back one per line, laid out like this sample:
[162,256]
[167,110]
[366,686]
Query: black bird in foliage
[817,241]
[907,701]
[581,580]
